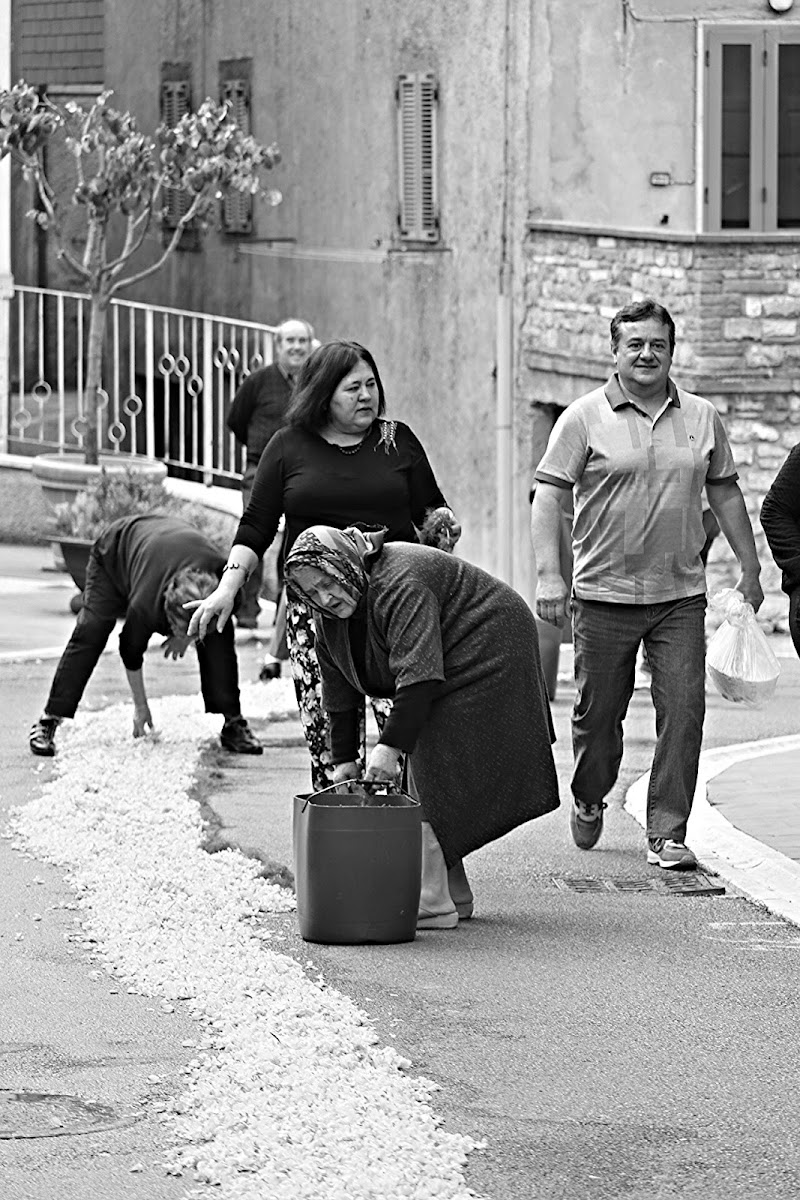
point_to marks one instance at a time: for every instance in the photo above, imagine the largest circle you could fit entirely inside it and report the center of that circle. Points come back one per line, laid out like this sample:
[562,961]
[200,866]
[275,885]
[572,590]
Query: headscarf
[339,554]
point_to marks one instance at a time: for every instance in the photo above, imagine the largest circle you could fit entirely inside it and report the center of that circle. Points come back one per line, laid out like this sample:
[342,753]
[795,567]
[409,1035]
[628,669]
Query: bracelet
[237,567]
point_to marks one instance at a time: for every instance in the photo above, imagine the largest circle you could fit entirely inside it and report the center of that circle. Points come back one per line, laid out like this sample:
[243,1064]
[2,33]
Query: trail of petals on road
[291,1095]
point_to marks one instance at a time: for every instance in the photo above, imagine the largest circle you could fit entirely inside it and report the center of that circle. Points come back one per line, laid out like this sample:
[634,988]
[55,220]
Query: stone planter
[74,555]
[75,552]
[62,476]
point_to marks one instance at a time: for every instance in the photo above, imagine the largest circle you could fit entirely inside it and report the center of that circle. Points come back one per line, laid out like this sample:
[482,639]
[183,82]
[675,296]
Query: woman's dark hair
[190,583]
[642,310]
[318,379]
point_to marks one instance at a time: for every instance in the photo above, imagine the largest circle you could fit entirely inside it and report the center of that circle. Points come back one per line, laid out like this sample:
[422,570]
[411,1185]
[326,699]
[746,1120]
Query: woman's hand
[441,529]
[219,606]
[343,771]
[382,764]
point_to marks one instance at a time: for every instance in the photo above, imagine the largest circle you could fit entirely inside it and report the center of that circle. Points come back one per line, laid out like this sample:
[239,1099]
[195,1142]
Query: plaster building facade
[471,188]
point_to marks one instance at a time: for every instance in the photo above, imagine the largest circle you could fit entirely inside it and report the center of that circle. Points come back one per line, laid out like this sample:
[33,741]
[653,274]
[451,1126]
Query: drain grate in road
[683,883]
[45,1114]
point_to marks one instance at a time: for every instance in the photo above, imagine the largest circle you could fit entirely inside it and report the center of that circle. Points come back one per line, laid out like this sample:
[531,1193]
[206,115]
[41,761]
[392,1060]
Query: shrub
[112,497]
[130,493]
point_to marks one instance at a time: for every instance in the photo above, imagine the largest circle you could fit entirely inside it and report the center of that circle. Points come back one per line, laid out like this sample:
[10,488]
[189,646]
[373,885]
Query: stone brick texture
[736,307]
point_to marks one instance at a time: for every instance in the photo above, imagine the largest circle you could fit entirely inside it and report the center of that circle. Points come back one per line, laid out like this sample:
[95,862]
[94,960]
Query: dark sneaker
[270,668]
[674,856]
[586,823]
[42,737]
[237,737]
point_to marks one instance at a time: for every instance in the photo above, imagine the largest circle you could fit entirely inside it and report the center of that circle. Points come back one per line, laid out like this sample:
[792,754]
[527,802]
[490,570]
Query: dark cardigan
[482,762]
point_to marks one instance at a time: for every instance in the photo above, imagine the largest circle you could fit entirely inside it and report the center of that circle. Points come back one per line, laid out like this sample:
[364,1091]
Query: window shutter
[237,207]
[417,119]
[176,101]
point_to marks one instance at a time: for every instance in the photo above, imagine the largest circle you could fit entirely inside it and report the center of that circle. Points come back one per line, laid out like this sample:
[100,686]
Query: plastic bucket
[357,867]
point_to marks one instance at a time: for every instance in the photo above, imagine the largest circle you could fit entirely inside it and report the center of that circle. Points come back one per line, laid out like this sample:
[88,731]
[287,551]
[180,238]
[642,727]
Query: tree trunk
[94,369]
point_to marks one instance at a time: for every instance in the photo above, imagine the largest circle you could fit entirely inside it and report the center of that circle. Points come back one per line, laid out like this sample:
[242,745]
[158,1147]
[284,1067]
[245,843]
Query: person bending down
[145,569]
[457,651]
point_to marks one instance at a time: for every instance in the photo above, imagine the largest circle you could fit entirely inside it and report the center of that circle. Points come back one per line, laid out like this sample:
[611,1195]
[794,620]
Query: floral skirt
[308,689]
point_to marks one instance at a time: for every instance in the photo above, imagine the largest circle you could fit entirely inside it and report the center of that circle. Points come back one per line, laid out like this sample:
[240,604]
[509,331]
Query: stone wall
[736,306]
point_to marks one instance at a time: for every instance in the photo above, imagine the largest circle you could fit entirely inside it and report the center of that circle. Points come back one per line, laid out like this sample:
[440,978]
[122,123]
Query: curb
[762,873]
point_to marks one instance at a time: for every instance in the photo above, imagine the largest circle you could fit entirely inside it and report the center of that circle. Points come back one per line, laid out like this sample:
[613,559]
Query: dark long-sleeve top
[258,409]
[780,520]
[388,481]
[140,555]
[410,707]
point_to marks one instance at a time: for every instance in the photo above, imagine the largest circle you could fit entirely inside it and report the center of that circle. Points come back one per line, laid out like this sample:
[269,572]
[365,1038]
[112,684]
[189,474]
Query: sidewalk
[746,823]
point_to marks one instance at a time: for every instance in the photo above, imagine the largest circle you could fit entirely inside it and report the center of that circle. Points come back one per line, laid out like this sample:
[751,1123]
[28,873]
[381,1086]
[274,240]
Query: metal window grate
[237,208]
[417,119]
[682,883]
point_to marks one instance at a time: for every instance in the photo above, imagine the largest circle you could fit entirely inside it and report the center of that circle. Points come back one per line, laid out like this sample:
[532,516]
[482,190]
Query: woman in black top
[337,462]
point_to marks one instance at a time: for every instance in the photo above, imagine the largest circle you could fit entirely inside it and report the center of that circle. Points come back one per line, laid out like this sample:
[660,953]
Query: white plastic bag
[739,660]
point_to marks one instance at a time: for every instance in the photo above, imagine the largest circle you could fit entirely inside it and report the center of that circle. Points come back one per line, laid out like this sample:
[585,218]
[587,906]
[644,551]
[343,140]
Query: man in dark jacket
[257,412]
[145,569]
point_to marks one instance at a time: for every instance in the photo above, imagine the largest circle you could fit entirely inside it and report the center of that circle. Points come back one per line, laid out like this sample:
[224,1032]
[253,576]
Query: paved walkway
[746,822]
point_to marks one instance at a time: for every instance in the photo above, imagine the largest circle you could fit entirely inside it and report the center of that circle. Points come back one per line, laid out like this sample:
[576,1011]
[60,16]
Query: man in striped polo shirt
[636,454]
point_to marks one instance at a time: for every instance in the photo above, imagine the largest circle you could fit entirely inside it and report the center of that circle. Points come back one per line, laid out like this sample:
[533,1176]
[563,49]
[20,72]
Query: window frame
[237,210]
[765,42]
[175,76]
[417,101]
[775,37]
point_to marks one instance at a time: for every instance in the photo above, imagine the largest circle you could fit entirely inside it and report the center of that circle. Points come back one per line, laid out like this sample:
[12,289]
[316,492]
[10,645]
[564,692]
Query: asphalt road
[607,1046]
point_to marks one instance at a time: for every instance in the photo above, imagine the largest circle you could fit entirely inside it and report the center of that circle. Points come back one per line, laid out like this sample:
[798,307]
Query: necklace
[349,449]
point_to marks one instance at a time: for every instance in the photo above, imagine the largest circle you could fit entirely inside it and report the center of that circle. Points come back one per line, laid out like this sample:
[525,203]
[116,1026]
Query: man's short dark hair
[191,583]
[319,377]
[642,310]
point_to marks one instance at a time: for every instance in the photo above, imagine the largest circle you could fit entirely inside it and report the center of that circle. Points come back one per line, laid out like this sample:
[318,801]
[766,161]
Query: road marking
[738,924]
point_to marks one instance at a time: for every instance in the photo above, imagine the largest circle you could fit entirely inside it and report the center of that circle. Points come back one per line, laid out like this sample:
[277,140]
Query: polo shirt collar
[616,397]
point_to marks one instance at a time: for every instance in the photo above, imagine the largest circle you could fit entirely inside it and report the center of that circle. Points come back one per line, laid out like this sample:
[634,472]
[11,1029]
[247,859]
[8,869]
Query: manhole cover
[44,1114]
[682,883]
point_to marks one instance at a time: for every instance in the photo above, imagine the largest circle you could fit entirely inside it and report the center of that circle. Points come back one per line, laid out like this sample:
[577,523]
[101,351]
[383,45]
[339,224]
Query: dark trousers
[103,605]
[607,638]
[251,590]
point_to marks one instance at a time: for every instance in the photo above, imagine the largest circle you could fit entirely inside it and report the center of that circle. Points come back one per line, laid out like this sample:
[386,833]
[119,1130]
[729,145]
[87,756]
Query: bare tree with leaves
[123,181]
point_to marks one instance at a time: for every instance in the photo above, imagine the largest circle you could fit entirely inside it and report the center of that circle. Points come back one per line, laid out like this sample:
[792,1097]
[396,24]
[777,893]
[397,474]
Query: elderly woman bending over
[457,652]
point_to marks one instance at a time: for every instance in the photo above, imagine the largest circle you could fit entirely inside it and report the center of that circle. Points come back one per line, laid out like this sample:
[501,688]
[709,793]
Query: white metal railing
[168,380]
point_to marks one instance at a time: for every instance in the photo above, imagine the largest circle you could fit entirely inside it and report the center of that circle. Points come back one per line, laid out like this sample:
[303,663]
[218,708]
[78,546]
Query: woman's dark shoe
[586,823]
[237,737]
[270,668]
[42,737]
